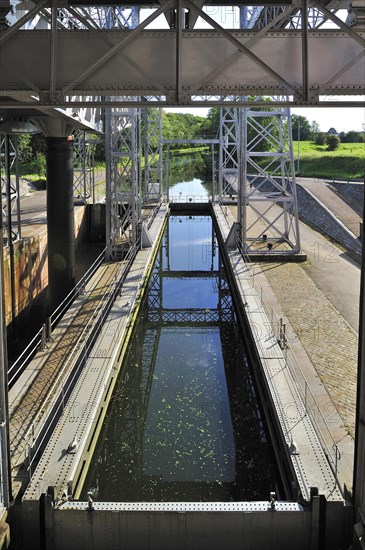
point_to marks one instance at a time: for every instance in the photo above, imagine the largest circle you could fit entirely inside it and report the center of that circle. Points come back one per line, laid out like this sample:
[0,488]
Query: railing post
[48,328]
[42,344]
[305,396]
[29,464]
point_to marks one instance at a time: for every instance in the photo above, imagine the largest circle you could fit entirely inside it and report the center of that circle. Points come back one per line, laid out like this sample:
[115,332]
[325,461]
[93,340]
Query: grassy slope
[348,161]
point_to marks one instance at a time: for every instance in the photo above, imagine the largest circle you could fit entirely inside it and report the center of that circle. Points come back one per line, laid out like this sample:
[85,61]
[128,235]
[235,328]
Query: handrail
[80,350]
[148,221]
[187,198]
[310,403]
[43,334]
[33,346]
[64,305]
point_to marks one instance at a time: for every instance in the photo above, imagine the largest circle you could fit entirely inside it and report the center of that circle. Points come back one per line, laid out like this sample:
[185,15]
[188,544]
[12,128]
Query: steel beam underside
[336,66]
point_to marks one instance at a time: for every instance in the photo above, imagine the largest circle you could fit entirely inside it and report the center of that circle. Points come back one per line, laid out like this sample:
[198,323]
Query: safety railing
[151,216]
[40,339]
[311,406]
[38,432]
[186,198]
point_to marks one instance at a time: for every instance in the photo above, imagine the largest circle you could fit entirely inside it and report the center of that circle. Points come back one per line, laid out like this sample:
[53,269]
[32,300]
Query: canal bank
[50,500]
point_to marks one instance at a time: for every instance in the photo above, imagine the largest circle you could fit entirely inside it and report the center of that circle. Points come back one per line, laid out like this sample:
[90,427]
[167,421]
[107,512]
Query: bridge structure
[76,68]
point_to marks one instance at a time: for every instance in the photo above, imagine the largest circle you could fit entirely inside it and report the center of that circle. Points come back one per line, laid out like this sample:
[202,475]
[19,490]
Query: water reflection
[184,423]
[189,175]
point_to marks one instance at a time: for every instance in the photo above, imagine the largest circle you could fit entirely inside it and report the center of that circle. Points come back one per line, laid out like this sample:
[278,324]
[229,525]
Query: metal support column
[10,236]
[83,179]
[5,478]
[152,153]
[60,219]
[214,184]
[123,185]
[359,458]
[269,183]
[9,170]
[228,135]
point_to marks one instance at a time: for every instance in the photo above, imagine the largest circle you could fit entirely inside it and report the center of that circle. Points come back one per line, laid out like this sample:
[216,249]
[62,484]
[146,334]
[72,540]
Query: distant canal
[184,422]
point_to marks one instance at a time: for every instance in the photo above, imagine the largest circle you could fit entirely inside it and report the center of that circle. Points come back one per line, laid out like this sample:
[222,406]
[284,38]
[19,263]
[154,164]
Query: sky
[343,119]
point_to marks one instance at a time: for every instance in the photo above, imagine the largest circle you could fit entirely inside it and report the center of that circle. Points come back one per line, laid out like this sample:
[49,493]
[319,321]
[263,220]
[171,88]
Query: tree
[333,142]
[352,137]
[320,138]
[314,129]
[24,147]
[332,131]
[301,128]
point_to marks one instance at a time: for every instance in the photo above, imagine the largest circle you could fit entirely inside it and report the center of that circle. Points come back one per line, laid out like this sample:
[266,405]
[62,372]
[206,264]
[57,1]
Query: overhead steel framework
[288,55]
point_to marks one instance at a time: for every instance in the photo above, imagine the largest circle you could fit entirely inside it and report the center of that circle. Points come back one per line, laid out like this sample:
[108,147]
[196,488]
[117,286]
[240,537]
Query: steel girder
[84,180]
[182,66]
[152,145]
[123,166]
[266,182]
[228,149]
[257,165]
[9,173]
[123,196]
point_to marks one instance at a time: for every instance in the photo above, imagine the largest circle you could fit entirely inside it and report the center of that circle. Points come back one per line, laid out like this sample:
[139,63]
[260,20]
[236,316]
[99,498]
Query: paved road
[333,272]
[33,213]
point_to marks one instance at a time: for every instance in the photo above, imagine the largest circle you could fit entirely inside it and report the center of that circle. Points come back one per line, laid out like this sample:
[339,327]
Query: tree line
[178,126]
[303,130]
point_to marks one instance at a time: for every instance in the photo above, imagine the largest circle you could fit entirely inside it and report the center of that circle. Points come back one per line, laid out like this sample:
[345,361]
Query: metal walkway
[33,396]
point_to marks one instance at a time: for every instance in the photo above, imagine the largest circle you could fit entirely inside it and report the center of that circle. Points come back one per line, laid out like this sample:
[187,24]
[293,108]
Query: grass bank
[346,162]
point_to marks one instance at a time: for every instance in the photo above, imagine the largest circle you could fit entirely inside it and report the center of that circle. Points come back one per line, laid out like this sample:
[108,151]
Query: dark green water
[184,423]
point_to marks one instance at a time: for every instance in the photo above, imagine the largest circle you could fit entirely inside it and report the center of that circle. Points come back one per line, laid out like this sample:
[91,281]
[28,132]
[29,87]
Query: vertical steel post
[134,178]
[220,161]
[298,245]
[17,191]
[10,231]
[213,176]
[108,184]
[167,173]
[244,176]
[305,79]
[5,476]
[160,164]
[359,457]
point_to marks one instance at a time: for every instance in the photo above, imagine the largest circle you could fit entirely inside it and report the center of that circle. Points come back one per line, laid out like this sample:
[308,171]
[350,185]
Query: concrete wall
[31,268]
[312,212]
[180,530]
[180,526]
[351,193]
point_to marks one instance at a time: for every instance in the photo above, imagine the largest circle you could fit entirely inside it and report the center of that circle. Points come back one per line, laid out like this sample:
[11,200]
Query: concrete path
[331,270]
[320,299]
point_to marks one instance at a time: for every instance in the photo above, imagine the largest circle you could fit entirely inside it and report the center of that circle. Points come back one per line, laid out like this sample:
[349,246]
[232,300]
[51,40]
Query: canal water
[184,422]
